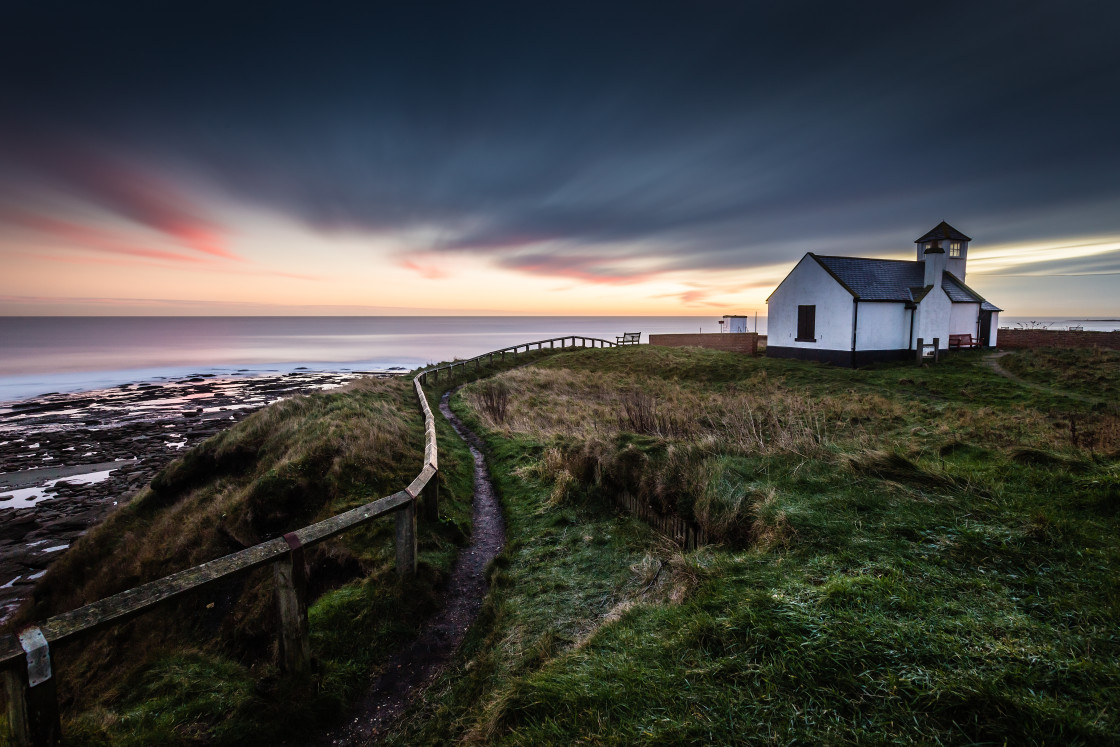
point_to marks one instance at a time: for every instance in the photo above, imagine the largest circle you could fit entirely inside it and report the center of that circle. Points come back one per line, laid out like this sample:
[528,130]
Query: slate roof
[894,280]
[943,232]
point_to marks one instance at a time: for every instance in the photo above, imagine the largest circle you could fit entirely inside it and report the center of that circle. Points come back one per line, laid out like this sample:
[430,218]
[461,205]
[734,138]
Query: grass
[203,670]
[1090,372]
[905,555]
[908,555]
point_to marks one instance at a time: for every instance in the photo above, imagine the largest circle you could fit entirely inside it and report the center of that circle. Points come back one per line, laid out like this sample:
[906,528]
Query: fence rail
[516,349]
[26,658]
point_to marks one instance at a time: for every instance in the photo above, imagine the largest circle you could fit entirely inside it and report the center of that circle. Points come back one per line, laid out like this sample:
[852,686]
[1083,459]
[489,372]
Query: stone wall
[733,342]
[1056,338]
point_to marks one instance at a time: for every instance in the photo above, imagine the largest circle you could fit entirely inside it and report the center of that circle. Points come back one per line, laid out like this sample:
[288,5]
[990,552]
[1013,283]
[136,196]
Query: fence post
[430,499]
[921,350]
[290,574]
[936,349]
[406,539]
[32,697]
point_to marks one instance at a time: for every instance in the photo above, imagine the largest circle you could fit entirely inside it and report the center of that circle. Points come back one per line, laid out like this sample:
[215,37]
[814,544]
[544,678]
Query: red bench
[962,341]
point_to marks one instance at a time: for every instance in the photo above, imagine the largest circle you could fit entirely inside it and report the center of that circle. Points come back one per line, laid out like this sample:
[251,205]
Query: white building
[733,323]
[852,311]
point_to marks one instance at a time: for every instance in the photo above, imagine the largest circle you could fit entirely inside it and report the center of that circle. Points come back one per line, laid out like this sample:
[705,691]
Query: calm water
[50,354]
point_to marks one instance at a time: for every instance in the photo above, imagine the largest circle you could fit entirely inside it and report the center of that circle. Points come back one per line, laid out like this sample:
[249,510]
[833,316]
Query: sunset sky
[547,158]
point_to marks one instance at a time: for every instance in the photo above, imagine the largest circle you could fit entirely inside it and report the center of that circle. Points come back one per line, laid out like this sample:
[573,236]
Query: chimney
[935,260]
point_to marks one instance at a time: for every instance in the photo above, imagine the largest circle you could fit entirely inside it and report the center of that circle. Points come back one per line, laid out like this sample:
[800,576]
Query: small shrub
[637,415]
[494,398]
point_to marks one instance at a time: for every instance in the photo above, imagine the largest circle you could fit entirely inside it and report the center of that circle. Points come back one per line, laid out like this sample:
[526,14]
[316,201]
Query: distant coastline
[70,354]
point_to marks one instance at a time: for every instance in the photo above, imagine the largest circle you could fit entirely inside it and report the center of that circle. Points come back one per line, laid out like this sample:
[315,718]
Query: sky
[547,158]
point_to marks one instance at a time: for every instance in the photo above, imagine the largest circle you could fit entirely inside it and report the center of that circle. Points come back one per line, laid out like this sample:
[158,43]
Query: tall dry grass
[761,418]
[685,429]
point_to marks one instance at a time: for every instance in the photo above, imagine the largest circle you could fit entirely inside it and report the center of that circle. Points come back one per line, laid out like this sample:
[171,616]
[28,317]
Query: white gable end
[809,284]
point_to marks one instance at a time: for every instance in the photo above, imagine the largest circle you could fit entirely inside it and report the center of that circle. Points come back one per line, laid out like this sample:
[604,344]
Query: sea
[39,355]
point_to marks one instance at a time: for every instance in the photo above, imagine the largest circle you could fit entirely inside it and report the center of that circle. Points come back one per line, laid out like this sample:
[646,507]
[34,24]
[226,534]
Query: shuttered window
[807,323]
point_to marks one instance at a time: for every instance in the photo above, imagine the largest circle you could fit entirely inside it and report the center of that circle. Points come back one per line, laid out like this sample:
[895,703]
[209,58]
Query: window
[955,248]
[806,323]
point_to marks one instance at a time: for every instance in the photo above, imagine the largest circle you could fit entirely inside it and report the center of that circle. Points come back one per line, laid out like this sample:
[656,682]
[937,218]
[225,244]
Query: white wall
[883,326]
[933,317]
[995,327]
[962,319]
[735,323]
[956,265]
[809,283]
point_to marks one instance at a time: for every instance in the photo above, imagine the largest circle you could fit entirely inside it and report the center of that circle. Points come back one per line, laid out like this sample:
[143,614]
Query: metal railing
[25,658]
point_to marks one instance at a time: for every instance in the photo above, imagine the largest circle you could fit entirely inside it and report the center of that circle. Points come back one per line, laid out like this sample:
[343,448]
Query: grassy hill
[202,670]
[904,555]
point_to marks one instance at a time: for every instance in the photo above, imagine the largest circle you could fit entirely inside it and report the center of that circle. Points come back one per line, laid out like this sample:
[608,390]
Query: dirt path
[410,671]
[992,361]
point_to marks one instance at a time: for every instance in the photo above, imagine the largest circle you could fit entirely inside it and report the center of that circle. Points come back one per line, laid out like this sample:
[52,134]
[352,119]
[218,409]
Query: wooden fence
[685,533]
[26,658]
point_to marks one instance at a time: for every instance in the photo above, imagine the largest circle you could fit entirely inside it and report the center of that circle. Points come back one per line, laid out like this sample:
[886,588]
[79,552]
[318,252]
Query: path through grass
[934,560]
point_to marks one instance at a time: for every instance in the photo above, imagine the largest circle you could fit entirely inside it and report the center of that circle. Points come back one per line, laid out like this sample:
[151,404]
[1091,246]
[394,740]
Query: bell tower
[945,238]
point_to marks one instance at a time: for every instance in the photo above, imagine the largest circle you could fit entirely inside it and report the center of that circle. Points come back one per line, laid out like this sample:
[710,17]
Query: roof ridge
[864,259]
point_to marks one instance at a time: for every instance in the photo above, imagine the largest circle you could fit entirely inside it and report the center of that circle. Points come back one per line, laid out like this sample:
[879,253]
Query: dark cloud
[570,138]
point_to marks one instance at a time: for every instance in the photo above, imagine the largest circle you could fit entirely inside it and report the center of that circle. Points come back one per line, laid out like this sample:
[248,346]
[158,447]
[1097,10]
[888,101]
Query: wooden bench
[956,342]
[628,338]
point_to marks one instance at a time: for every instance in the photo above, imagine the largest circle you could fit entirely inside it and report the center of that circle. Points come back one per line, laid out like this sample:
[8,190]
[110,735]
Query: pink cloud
[584,269]
[699,293]
[135,257]
[127,192]
[424,270]
[78,236]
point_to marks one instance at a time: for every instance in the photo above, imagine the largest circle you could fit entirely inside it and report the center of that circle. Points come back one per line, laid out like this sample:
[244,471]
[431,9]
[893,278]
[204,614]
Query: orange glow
[78,261]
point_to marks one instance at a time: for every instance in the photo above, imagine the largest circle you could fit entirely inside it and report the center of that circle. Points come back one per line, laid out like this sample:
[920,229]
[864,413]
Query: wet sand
[66,460]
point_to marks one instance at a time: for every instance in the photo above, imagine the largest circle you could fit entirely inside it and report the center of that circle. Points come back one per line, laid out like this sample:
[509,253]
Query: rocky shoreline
[66,460]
